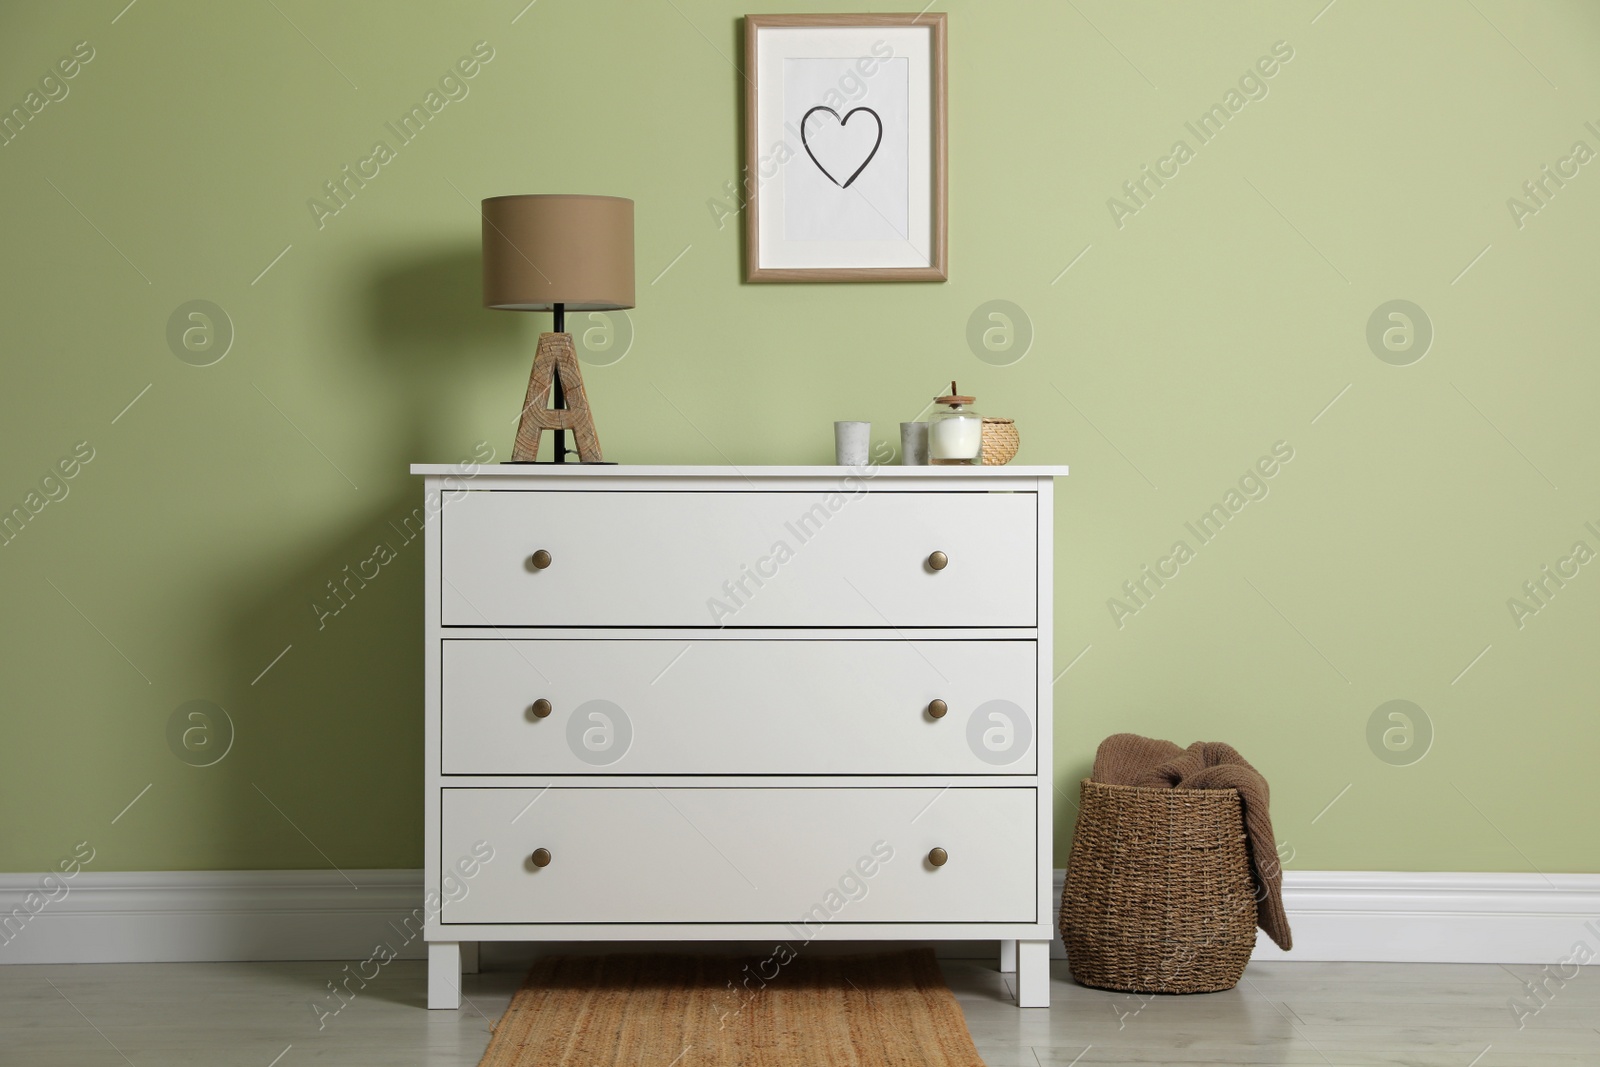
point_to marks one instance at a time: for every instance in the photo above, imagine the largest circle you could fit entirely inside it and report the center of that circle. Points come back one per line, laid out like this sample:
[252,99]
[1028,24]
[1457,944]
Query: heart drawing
[839,145]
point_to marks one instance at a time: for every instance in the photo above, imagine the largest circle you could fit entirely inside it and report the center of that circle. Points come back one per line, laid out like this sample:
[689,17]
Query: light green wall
[1218,320]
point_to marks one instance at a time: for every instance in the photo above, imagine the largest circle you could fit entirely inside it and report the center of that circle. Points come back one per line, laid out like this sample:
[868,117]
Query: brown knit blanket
[1128,759]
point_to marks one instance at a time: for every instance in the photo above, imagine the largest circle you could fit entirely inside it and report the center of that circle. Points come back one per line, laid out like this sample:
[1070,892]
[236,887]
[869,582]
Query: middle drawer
[789,706]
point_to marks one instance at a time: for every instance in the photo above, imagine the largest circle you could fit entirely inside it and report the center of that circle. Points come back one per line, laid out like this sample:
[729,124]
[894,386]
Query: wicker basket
[1000,442]
[1159,897]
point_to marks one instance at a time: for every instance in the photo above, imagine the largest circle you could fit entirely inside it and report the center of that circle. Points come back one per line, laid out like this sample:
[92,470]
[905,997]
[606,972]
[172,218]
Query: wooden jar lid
[954,397]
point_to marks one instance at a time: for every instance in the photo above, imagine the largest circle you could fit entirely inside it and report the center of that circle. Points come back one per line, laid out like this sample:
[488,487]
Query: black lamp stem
[560,439]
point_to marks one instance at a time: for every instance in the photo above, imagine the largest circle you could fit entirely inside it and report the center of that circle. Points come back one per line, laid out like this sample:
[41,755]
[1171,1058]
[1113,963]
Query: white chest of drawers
[779,704]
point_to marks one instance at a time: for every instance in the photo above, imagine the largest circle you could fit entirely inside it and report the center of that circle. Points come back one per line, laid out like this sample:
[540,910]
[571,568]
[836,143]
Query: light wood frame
[938,271]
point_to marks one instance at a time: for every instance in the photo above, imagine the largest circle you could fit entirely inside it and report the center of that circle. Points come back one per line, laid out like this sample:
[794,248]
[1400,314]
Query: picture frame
[845,145]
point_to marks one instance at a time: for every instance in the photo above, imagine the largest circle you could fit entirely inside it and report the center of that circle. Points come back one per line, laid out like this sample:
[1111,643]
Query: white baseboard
[1431,917]
[1399,917]
[175,916]
[183,916]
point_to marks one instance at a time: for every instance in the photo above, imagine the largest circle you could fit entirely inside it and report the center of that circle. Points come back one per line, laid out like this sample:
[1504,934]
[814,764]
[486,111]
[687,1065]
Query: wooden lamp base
[556,357]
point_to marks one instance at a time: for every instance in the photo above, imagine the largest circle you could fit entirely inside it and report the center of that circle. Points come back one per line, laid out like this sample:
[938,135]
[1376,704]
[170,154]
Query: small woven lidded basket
[1000,442]
[1159,896]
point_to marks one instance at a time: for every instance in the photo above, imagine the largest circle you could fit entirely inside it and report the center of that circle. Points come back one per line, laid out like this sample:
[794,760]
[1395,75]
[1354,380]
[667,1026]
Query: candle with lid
[955,431]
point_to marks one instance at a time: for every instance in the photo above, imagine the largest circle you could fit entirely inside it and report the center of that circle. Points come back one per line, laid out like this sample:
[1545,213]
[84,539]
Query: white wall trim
[1427,917]
[174,916]
[1431,917]
[180,916]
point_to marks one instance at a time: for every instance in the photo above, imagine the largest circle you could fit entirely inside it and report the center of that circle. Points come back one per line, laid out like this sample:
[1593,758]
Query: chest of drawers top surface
[871,475]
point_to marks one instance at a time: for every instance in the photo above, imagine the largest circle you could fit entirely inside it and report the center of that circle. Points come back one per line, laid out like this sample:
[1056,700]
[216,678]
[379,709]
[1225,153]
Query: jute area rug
[889,1010]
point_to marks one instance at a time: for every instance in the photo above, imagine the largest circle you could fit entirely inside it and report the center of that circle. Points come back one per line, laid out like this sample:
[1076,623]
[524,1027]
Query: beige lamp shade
[544,250]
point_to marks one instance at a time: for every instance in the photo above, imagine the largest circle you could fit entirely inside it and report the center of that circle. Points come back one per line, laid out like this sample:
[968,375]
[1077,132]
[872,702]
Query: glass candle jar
[955,431]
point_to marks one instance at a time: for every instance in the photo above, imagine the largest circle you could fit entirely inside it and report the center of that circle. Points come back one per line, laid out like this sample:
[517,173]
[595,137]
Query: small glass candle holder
[955,431]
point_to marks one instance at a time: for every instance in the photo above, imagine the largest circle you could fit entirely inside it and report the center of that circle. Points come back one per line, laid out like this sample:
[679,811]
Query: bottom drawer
[740,854]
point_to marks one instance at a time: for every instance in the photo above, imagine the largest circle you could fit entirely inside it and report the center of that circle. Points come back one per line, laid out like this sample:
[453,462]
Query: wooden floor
[261,1015]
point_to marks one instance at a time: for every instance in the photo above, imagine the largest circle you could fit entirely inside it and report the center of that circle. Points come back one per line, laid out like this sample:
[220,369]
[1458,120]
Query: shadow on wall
[1069,773]
[423,308]
[327,759]
[327,763]
[441,347]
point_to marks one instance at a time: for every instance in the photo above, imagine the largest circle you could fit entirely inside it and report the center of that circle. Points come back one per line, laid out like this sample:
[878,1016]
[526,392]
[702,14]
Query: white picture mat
[775,44]
[857,187]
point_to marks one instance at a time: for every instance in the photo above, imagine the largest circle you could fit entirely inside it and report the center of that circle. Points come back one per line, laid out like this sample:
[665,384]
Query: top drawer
[739,559]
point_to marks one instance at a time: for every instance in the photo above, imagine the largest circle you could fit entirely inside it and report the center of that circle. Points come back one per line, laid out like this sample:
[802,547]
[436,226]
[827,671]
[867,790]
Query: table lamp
[557,253]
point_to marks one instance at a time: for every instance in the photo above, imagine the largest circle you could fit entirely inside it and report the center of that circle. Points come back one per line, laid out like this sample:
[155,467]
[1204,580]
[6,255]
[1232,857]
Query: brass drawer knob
[938,561]
[541,857]
[937,708]
[540,560]
[541,708]
[937,857]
